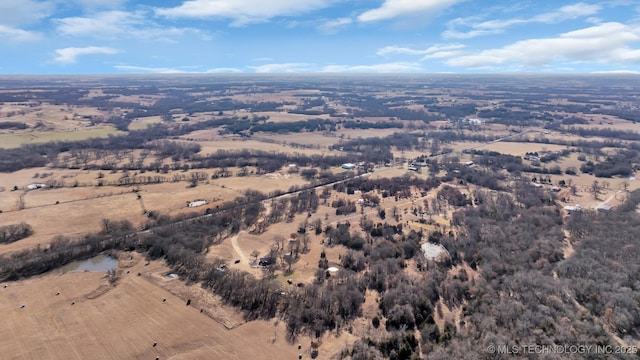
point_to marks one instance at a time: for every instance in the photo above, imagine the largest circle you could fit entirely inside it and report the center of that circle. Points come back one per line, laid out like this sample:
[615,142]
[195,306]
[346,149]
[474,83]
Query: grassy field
[90,319]
[9,140]
[144,122]
[209,147]
[84,207]
[519,149]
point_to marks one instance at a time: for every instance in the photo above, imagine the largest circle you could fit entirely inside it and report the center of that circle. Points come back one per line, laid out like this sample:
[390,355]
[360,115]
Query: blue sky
[309,36]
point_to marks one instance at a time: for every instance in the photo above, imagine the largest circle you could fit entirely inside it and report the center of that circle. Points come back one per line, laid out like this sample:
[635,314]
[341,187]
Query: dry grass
[80,210]
[314,138]
[519,149]
[124,321]
[212,146]
[281,116]
[144,122]
[16,139]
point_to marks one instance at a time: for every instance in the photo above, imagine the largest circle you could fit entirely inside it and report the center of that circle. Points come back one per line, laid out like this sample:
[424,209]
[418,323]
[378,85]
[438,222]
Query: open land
[295,216]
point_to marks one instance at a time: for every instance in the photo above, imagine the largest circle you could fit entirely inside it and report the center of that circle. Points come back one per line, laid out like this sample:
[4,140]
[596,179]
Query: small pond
[96,263]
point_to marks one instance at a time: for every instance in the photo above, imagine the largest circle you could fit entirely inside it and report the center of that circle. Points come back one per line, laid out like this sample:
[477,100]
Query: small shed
[196,203]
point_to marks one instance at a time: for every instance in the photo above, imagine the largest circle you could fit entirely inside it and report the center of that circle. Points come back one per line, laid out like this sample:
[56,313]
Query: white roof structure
[432,251]
[197,203]
[577,207]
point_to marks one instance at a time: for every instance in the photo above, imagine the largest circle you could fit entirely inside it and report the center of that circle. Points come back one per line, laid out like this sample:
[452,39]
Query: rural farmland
[324,217]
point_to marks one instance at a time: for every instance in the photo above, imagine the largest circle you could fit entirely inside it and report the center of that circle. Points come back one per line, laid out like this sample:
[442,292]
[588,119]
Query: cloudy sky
[282,36]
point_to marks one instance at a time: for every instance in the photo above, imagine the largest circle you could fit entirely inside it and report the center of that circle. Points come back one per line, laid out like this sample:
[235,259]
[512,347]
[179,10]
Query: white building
[197,203]
[575,208]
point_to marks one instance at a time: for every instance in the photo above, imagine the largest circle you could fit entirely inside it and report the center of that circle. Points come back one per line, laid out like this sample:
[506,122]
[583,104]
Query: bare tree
[595,189]
[305,243]
[255,254]
[279,241]
[625,186]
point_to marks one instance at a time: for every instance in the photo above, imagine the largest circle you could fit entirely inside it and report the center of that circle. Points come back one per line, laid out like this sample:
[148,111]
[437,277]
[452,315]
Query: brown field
[318,139]
[278,116]
[50,117]
[72,218]
[9,140]
[85,207]
[91,319]
[209,147]
[520,148]
[144,122]
[365,133]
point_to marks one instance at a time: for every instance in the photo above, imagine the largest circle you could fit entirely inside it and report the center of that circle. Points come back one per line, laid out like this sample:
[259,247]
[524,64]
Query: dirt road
[241,255]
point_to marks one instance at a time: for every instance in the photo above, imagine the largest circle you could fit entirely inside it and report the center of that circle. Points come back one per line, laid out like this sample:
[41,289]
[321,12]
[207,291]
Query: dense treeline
[605,133]
[623,163]
[15,232]
[604,271]
[398,187]
[372,106]
[509,116]
[21,158]
[13,125]
[296,126]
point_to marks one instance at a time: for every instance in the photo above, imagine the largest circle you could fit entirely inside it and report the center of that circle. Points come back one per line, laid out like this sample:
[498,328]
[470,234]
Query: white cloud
[224,70]
[152,70]
[613,72]
[398,67]
[394,8]
[242,11]
[106,24]
[428,51]
[333,26]
[283,68]
[21,12]
[118,24]
[568,12]
[70,55]
[604,43]
[167,70]
[17,35]
[440,51]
